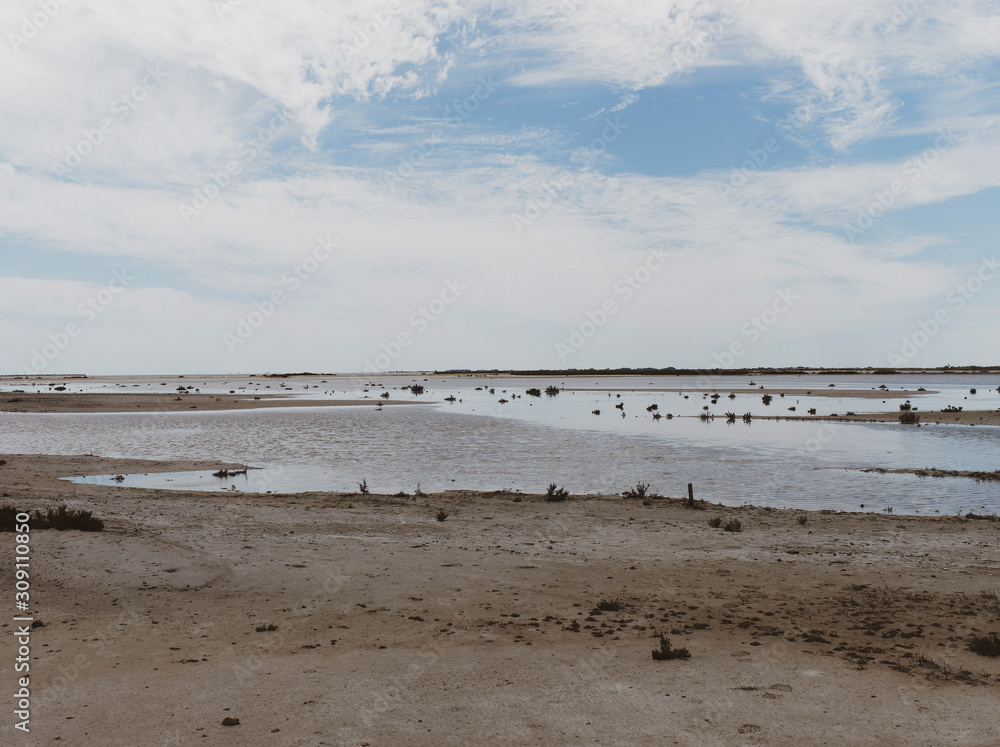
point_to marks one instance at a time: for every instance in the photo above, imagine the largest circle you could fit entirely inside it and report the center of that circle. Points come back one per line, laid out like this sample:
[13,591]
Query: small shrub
[266,628]
[802,519]
[641,490]
[8,518]
[596,412]
[384,395]
[812,410]
[985,645]
[715,522]
[3,462]
[223,473]
[909,417]
[555,493]
[417,388]
[652,407]
[747,417]
[418,492]
[363,487]
[667,653]
[730,417]
[60,518]
[733,525]
[441,515]
[972,391]
[906,406]
[766,399]
[533,392]
[552,391]
[608,605]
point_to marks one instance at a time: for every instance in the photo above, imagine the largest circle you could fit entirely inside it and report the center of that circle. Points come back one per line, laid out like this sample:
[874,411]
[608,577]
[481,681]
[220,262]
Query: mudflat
[336,619]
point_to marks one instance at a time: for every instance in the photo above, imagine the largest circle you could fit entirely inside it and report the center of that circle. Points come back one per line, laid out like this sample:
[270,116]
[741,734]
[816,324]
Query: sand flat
[465,631]
[171,402]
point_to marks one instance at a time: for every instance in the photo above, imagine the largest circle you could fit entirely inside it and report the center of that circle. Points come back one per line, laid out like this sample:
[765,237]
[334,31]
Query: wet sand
[965,417]
[394,628]
[171,402]
[781,391]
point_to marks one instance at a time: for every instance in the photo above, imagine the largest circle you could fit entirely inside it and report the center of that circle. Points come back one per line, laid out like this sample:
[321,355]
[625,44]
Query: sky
[239,186]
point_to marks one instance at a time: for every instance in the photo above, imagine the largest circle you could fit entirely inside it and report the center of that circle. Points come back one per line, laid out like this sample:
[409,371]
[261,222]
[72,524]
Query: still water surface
[524,444]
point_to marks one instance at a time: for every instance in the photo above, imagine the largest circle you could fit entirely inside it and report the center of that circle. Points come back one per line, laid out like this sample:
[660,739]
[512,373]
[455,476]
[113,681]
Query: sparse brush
[3,462]
[715,522]
[608,605]
[730,417]
[555,493]
[534,392]
[908,417]
[60,518]
[733,525]
[641,490]
[802,519]
[552,391]
[417,388]
[441,515]
[225,473]
[985,645]
[906,406]
[666,652]
[363,487]
[8,518]
[418,492]
[766,399]
[747,417]
[266,628]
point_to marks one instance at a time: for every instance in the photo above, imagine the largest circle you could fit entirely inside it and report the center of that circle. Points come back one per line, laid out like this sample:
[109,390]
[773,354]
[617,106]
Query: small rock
[230,721]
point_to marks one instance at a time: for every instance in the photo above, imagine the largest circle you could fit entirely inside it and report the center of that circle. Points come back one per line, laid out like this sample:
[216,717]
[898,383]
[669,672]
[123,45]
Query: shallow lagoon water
[478,443]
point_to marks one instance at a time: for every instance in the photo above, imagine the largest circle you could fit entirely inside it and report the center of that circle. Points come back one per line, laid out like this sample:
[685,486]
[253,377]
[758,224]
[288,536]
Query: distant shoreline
[780,371]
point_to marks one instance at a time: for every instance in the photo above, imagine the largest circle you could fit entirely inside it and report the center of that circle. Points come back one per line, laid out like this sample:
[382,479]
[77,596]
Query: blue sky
[685,162]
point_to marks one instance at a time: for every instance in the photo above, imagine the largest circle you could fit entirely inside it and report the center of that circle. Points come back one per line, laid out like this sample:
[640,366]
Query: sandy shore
[393,628]
[170,402]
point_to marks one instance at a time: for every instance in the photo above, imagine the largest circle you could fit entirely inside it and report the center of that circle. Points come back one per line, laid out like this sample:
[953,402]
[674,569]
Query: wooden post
[690,494]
